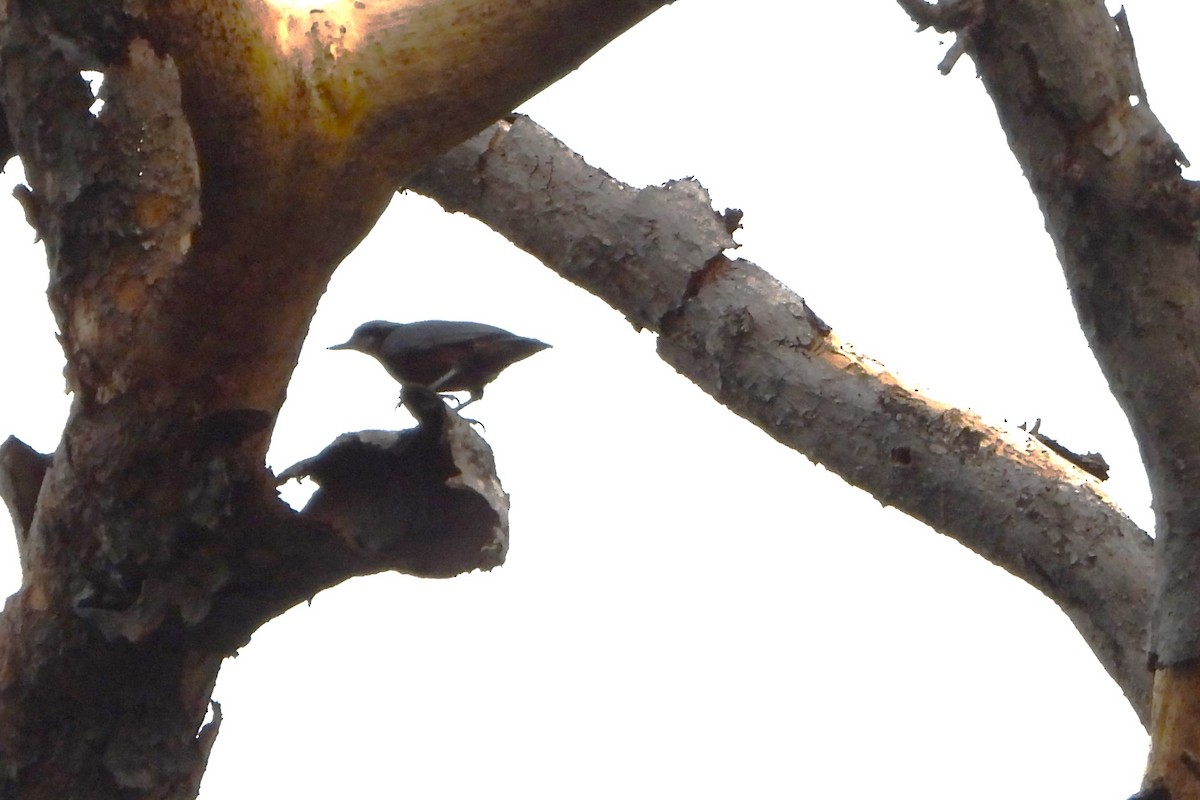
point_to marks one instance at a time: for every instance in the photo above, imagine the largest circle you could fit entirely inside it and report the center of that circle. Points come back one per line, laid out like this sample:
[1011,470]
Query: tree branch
[1106,174]
[190,228]
[655,255]
[1070,97]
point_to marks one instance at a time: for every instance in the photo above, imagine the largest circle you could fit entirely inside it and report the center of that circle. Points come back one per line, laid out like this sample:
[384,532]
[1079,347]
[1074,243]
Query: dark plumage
[441,355]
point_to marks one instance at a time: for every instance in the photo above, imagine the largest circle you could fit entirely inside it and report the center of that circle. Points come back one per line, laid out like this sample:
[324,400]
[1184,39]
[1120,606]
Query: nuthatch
[440,355]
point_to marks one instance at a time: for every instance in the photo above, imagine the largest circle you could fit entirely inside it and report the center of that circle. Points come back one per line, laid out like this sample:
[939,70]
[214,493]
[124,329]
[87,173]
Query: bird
[442,355]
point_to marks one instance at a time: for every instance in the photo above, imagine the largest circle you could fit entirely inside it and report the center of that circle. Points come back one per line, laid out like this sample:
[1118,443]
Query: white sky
[689,609]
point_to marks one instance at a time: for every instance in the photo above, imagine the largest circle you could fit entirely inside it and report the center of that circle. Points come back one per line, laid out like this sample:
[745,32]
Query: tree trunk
[191,226]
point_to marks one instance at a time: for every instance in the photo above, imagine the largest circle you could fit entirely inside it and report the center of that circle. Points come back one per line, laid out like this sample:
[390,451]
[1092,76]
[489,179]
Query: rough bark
[190,229]
[1106,174]
[1070,98]
[655,255]
[242,152]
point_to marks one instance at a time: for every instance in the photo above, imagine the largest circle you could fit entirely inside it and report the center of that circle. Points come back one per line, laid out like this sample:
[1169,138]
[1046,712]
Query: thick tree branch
[231,556]
[655,255]
[190,228]
[1070,98]
[283,133]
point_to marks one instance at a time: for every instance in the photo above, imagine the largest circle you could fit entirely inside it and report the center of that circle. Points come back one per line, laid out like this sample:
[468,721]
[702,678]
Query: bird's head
[368,337]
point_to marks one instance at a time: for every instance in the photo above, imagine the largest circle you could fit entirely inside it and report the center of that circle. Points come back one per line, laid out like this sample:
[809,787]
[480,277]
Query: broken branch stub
[424,501]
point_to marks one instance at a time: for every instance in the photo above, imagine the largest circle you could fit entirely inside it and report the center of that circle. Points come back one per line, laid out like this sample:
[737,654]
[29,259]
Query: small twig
[952,55]
[1093,464]
[957,16]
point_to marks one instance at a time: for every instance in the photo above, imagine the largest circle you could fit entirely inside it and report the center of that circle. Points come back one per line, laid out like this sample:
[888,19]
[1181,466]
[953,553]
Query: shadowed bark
[240,154]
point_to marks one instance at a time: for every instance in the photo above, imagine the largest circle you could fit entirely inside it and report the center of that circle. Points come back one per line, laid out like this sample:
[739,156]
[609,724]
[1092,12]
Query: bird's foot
[416,397]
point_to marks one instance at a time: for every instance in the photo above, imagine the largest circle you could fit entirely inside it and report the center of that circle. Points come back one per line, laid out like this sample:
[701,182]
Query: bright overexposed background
[690,609]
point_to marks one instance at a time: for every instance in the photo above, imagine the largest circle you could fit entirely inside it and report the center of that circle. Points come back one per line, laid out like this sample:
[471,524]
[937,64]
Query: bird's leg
[459,406]
[440,382]
[452,372]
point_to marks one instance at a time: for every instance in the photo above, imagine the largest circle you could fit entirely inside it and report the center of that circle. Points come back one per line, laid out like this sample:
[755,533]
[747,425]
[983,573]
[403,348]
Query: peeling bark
[655,255]
[1124,223]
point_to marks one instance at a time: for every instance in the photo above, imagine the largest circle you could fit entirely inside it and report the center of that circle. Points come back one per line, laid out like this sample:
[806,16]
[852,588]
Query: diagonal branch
[655,255]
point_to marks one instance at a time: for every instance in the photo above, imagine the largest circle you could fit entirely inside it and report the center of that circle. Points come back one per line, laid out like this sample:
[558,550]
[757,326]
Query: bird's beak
[343,346]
